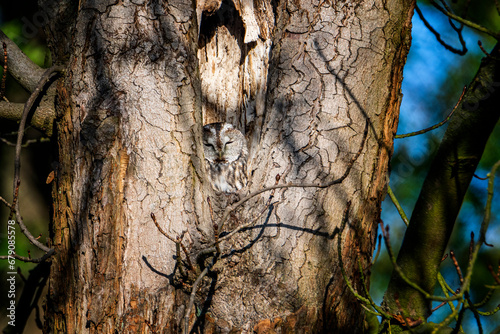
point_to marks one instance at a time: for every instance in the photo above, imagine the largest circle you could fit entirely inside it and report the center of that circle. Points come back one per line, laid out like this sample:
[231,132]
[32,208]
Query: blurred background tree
[434,79]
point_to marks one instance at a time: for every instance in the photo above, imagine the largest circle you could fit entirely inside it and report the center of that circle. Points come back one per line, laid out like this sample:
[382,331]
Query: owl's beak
[221,159]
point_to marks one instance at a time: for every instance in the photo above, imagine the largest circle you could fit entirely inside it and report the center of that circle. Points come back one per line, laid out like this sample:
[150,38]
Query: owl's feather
[226,154]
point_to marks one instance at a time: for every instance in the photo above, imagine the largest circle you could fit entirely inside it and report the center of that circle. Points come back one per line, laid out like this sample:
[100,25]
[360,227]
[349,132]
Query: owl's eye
[210,145]
[229,142]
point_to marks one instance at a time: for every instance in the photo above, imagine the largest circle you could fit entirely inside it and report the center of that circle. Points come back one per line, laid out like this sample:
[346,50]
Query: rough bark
[129,116]
[320,94]
[300,79]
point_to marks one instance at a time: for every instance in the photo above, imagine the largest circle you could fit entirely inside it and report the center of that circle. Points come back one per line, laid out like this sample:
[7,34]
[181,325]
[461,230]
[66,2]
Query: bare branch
[487,210]
[252,221]
[47,75]
[483,49]
[438,36]
[398,206]
[416,133]
[14,57]
[465,22]
[29,259]
[23,69]
[153,217]
[193,291]
[178,242]
[28,142]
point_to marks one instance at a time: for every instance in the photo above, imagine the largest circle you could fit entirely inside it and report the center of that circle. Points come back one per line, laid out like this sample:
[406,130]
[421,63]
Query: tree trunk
[301,80]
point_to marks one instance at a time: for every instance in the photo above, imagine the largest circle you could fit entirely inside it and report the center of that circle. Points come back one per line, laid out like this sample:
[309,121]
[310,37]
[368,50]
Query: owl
[226,155]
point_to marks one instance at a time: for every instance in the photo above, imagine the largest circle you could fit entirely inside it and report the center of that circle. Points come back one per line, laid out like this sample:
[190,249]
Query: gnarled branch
[23,69]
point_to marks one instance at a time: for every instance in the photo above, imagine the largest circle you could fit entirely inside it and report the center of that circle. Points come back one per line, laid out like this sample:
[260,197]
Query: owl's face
[223,143]
[226,155]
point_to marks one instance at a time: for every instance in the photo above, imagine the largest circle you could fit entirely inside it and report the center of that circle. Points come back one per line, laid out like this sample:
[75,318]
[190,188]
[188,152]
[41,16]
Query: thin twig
[160,229]
[28,142]
[455,315]
[188,259]
[458,324]
[438,36]
[193,293]
[178,259]
[474,311]
[457,267]
[489,313]
[364,284]
[7,204]
[459,29]
[482,49]
[445,287]
[486,299]
[489,200]
[28,259]
[438,307]
[434,126]
[465,22]
[14,201]
[480,178]
[397,205]
[47,75]
[214,226]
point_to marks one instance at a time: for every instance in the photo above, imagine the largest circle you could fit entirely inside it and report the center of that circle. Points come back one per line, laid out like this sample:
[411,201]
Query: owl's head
[223,143]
